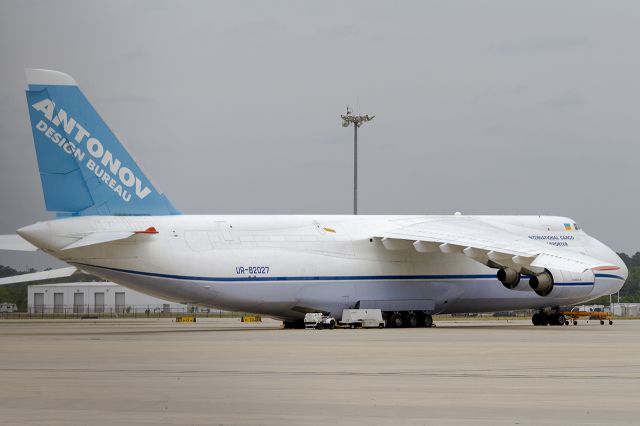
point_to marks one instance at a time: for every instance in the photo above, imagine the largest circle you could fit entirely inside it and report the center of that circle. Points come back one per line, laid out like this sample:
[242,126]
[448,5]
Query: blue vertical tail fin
[84,169]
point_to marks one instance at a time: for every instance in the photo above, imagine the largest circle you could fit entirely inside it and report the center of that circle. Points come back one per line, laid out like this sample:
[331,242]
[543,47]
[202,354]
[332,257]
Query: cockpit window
[576,227]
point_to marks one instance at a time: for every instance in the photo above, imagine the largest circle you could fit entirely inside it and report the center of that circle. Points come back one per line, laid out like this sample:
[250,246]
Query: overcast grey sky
[484,107]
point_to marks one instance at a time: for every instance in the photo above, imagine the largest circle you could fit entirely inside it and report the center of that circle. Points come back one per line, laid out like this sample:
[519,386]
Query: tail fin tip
[37,76]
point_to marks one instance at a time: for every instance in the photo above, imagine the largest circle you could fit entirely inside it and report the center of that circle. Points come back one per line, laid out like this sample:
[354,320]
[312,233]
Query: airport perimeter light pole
[357,121]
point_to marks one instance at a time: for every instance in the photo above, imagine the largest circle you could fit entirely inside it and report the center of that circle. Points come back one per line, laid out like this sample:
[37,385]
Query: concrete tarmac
[219,371]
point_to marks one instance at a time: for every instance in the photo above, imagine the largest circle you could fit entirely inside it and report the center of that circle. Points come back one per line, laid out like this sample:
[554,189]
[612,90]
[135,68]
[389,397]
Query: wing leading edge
[487,244]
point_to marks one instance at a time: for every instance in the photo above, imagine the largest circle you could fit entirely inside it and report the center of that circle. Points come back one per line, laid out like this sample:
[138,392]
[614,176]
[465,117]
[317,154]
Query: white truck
[365,318]
[318,320]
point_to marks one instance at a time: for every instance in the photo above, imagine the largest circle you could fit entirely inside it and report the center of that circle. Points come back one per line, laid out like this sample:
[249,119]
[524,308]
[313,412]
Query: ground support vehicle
[573,316]
[319,321]
[365,318]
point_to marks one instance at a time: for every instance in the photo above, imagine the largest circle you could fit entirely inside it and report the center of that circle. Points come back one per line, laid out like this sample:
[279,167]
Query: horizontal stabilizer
[15,242]
[39,276]
[107,237]
[99,238]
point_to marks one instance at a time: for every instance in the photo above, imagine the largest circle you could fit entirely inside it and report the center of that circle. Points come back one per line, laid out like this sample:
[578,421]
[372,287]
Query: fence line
[127,311]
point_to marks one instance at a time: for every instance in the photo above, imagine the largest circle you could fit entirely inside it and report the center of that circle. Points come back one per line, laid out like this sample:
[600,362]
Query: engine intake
[542,283]
[510,278]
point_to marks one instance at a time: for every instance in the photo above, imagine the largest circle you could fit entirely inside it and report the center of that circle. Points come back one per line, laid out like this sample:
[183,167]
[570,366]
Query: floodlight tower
[357,121]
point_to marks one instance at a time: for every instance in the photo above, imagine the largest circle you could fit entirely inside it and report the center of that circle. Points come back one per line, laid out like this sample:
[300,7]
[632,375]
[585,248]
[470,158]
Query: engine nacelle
[542,283]
[562,284]
[510,278]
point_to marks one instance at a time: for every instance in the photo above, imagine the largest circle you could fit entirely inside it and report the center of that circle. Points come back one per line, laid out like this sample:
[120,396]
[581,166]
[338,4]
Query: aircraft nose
[38,234]
[624,271]
[616,260]
[613,277]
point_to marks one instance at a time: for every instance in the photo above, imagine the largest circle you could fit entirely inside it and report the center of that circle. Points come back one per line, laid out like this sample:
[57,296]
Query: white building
[626,309]
[94,297]
[618,309]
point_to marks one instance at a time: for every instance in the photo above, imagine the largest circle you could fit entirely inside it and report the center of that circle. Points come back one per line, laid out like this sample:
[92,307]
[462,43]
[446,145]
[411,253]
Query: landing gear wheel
[396,320]
[536,319]
[293,324]
[544,320]
[561,320]
[411,320]
[428,321]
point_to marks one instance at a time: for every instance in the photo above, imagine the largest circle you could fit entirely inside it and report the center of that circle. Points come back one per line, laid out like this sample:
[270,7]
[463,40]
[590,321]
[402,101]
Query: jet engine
[542,283]
[510,278]
[562,283]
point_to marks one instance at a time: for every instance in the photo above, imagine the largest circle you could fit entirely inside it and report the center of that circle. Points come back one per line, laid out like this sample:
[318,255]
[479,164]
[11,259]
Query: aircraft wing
[15,242]
[39,276]
[487,244]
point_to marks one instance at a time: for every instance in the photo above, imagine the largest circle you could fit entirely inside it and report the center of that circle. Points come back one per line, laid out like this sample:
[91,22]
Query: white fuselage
[284,266]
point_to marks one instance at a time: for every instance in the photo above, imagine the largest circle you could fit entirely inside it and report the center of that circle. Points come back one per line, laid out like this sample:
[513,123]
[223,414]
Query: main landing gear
[408,319]
[553,318]
[293,324]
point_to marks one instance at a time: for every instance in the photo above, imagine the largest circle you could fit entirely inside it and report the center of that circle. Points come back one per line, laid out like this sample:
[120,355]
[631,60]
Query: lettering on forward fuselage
[101,162]
[553,240]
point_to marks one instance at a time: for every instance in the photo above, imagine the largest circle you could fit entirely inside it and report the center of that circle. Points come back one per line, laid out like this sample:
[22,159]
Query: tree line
[630,292]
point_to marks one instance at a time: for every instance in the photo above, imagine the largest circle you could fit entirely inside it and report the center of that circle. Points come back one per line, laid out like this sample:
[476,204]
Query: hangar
[94,298]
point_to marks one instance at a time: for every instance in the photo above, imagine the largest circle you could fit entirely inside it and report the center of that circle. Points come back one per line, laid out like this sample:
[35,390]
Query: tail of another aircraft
[84,169]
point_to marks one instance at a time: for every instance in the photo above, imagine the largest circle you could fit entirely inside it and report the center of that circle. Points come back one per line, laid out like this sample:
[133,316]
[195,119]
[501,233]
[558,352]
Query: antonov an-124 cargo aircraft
[113,222]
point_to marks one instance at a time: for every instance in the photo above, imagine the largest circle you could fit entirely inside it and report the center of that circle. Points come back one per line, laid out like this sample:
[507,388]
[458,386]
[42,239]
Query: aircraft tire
[544,320]
[289,325]
[411,320]
[428,321]
[536,319]
[396,320]
[560,319]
